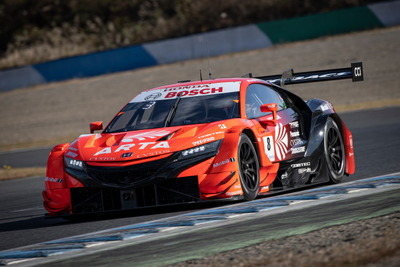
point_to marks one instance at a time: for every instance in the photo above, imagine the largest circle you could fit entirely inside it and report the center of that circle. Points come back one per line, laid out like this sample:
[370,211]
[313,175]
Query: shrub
[36,31]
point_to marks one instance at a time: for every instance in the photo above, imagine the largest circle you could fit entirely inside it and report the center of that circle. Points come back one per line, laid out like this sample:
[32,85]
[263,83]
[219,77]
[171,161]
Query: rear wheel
[248,168]
[334,151]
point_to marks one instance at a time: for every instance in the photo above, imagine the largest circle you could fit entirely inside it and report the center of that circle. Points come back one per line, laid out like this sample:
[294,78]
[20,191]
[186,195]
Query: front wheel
[248,168]
[334,151]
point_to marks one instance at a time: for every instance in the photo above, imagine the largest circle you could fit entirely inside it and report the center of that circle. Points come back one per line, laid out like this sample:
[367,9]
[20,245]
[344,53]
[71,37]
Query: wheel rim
[248,166]
[334,151]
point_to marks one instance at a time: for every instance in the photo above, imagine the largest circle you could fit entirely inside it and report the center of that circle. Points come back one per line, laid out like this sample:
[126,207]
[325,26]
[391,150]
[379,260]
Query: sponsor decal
[71,154]
[281,141]
[269,147]
[313,77]
[304,170]
[296,141]
[195,86]
[294,124]
[222,126]
[148,105]
[294,134]
[284,175]
[205,140]
[239,192]
[187,91]
[127,155]
[193,92]
[208,135]
[265,187]
[163,144]
[223,162]
[127,147]
[152,153]
[102,158]
[53,180]
[153,96]
[302,164]
[296,150]
[145,135]
[325,107]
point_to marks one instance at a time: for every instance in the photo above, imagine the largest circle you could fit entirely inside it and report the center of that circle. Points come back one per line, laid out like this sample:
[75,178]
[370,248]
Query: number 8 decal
[269,147]
[357,71]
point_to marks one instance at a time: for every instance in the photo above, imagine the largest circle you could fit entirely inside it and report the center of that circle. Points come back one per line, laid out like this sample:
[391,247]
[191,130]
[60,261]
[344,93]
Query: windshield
[175,112]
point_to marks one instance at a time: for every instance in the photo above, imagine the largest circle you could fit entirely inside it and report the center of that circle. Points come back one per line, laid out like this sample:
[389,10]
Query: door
[283,141]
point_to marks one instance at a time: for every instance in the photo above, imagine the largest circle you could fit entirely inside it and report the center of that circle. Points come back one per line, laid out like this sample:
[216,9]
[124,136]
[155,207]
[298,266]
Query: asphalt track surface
[34,157]
[21,214]
[235,230]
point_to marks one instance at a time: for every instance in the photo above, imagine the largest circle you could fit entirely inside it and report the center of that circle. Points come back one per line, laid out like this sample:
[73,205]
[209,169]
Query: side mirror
[273,108]
[95,126]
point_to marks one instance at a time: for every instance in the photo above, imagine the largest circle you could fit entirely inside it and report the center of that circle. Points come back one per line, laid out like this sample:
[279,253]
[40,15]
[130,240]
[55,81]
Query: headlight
[73,163]
[200,150]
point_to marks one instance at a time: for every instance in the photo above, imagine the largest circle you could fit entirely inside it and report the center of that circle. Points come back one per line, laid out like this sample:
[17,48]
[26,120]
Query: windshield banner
[187,91]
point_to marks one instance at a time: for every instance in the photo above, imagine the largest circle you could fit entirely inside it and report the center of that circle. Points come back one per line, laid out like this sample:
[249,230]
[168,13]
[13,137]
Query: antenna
[201,76]
[208,61]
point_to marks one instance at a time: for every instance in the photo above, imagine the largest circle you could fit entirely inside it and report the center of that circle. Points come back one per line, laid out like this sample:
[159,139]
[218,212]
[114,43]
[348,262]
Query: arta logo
[281,141]
[127,147]
[145,135]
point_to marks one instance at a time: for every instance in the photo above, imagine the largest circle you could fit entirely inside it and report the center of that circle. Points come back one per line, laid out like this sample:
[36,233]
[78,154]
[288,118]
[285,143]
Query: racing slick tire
[248,168]
[334,151]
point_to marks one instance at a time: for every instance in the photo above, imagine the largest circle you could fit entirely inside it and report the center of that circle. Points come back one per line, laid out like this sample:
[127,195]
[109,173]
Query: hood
[127,146]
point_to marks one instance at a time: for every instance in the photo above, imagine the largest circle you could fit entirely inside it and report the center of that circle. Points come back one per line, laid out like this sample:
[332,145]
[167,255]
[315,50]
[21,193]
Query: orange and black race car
[216,139]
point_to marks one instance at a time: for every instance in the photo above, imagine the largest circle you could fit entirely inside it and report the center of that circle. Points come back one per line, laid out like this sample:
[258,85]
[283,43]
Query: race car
[197,141]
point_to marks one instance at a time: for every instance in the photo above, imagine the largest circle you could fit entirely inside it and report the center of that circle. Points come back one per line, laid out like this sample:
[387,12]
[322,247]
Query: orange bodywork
[174,148]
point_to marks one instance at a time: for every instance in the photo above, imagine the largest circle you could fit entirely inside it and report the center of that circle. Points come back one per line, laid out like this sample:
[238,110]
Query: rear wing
[355,72]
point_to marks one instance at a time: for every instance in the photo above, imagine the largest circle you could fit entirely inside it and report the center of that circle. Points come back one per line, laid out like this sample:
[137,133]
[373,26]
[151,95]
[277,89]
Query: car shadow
[29,222]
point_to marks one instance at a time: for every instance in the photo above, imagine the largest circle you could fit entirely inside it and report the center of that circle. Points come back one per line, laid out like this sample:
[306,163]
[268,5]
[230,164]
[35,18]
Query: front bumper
[154,183]
[171,191]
